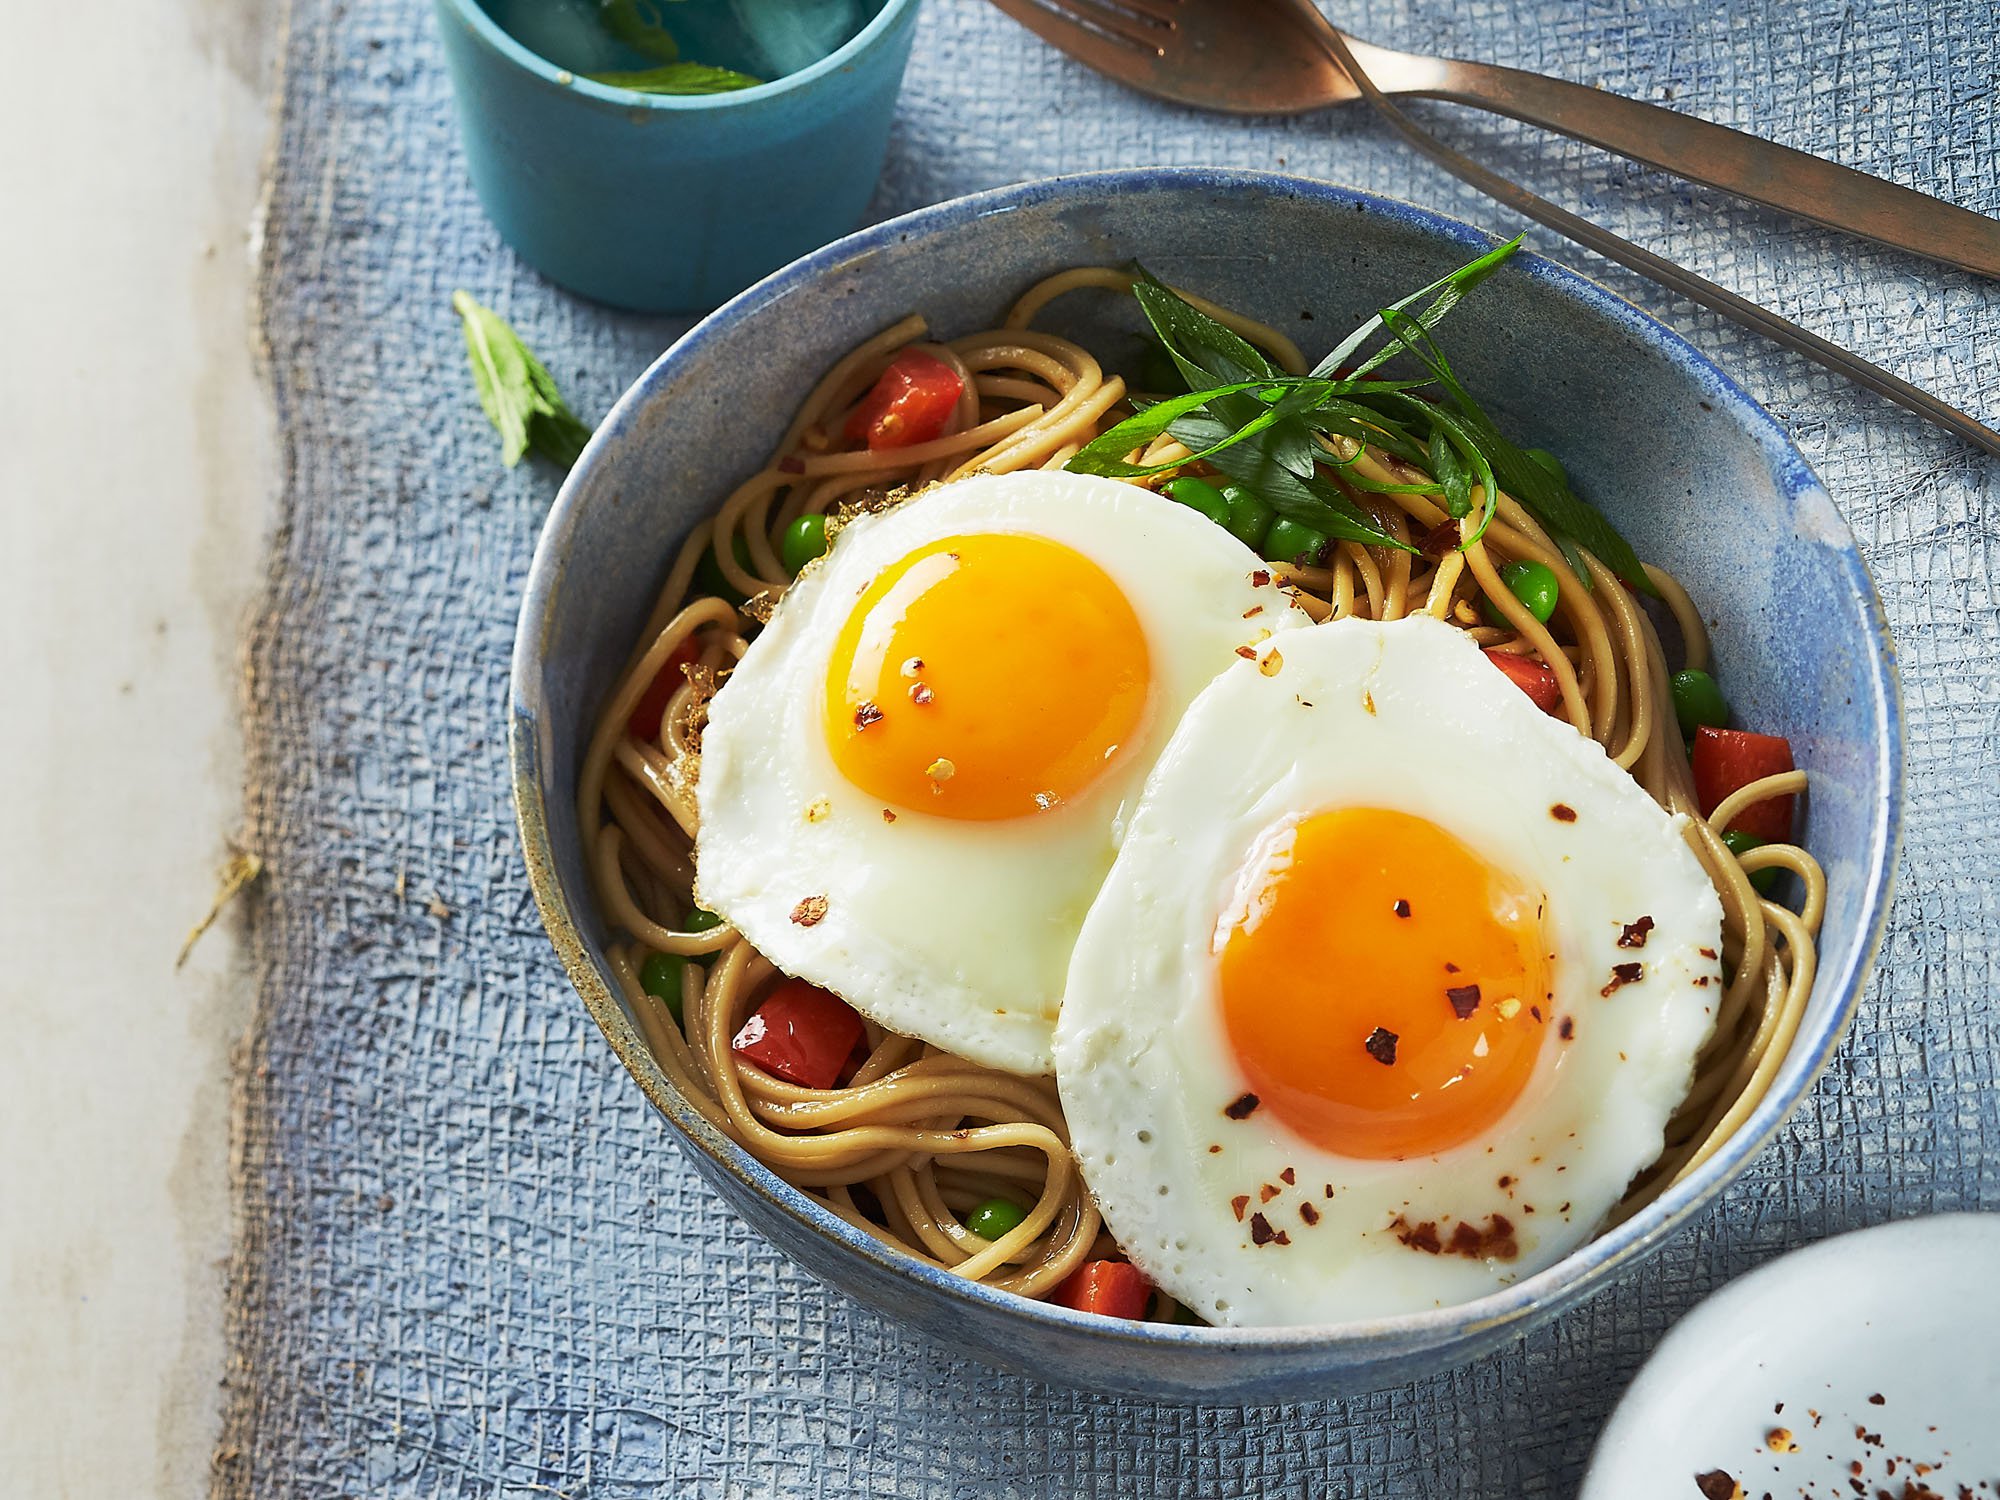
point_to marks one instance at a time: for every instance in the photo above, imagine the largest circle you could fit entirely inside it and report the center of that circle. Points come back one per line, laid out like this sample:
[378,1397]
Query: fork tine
[1100,33]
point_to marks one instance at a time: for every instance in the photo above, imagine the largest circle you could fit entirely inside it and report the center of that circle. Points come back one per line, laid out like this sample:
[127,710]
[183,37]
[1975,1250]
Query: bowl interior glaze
[1697,475]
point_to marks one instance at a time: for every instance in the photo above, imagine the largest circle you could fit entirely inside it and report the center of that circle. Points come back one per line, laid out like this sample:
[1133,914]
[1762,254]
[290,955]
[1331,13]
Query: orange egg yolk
[988,676]
[1384,987]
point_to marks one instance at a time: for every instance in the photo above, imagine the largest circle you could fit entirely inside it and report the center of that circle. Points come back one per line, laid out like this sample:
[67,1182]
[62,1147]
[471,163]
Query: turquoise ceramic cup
[671,203]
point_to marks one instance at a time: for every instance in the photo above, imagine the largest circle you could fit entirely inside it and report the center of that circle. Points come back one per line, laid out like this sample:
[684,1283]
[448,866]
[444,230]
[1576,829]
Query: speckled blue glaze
[1695,473]
[670,203]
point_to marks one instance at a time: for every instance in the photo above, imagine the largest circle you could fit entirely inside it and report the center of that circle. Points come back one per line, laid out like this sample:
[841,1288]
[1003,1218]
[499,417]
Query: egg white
[1406,716]
[958,932]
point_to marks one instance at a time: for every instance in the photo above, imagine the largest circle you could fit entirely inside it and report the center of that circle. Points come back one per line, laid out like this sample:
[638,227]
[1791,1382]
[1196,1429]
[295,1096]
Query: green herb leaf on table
[516,389]
[678,78]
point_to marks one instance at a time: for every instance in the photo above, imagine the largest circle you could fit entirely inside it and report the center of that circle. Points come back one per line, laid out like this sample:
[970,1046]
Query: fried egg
[915,779]
[1391,990]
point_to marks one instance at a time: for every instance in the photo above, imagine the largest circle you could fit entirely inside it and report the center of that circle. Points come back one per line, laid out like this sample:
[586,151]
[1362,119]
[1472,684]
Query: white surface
[135,476]
[1908,1312]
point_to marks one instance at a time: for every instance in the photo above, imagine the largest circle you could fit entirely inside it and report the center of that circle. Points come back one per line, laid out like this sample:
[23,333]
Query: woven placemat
[472,1263]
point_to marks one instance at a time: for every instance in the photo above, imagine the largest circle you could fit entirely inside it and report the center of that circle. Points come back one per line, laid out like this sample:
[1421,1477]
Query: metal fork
[1283,56]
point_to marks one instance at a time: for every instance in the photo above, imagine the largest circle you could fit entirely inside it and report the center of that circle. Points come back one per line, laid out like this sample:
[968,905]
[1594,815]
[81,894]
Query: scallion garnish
[1282,435]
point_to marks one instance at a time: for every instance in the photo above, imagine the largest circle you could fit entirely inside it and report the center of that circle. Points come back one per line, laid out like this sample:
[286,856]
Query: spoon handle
[1809,186]
[1675,277]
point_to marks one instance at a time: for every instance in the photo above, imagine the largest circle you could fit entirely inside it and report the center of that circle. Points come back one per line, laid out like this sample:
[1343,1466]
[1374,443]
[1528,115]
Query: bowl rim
[473,14]
[1587,1269]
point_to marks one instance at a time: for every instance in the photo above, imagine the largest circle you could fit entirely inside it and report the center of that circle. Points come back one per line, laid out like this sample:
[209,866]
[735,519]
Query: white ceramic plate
[1874,1349]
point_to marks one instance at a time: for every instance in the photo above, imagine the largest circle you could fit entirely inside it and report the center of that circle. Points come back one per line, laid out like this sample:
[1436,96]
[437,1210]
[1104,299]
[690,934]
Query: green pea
[710,579]
[660,977]
[1198,494]
[995,1217]
[804,541]
[1249,517]
[1533,584]
[1739,843]
[1292,541]
[699,920]
[1698,701]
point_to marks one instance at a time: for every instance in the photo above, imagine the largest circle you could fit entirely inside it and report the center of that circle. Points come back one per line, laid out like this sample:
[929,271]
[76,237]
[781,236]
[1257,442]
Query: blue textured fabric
[472,1262]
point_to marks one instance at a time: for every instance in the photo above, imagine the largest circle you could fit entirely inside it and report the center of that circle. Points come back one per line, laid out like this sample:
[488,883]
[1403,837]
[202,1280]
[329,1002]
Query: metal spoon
[1220,54]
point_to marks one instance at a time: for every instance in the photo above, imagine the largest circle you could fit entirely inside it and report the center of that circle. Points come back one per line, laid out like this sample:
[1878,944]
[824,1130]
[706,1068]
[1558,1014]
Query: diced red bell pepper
[801,1034]
[1727,760]
[910,403]
[644,724]
[1532,676]
[1109,1288]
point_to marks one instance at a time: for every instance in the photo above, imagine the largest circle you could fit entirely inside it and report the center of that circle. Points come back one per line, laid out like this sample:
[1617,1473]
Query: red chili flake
[1422,1236]
[920,693]
[1308,1213]
[1634,935]
[1535,1011]
[1261,1232]
[1253,611]
[1240,1202]
[1716,1484]
[1214,1150]
[1877,1400]
[1706,952]
[1381,1045]
[1505,1183]
[887,816]
[1248,653]
[1702,982]
[867,714]
[1259,578]
[1242,1107]
[1464,999]
[1267,1192]
[1288,1177]
[1567,1028]
[1440,539]
[1495,1241]
[1329,1190]
[1622,975]
[810,911]
[1401,908]
[1562,812]
[1451,968]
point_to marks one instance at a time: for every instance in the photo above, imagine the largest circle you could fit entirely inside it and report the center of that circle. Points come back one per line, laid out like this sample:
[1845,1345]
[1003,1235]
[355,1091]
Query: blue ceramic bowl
[1694,471]
[670,203]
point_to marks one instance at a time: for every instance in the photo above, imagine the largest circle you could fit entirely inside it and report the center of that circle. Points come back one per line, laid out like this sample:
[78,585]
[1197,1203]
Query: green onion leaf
[1314,502]
[1451,473]
[1106,453]
[516,389]
[1547,497]
[678,78]
[1201,347]
[1451,290]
